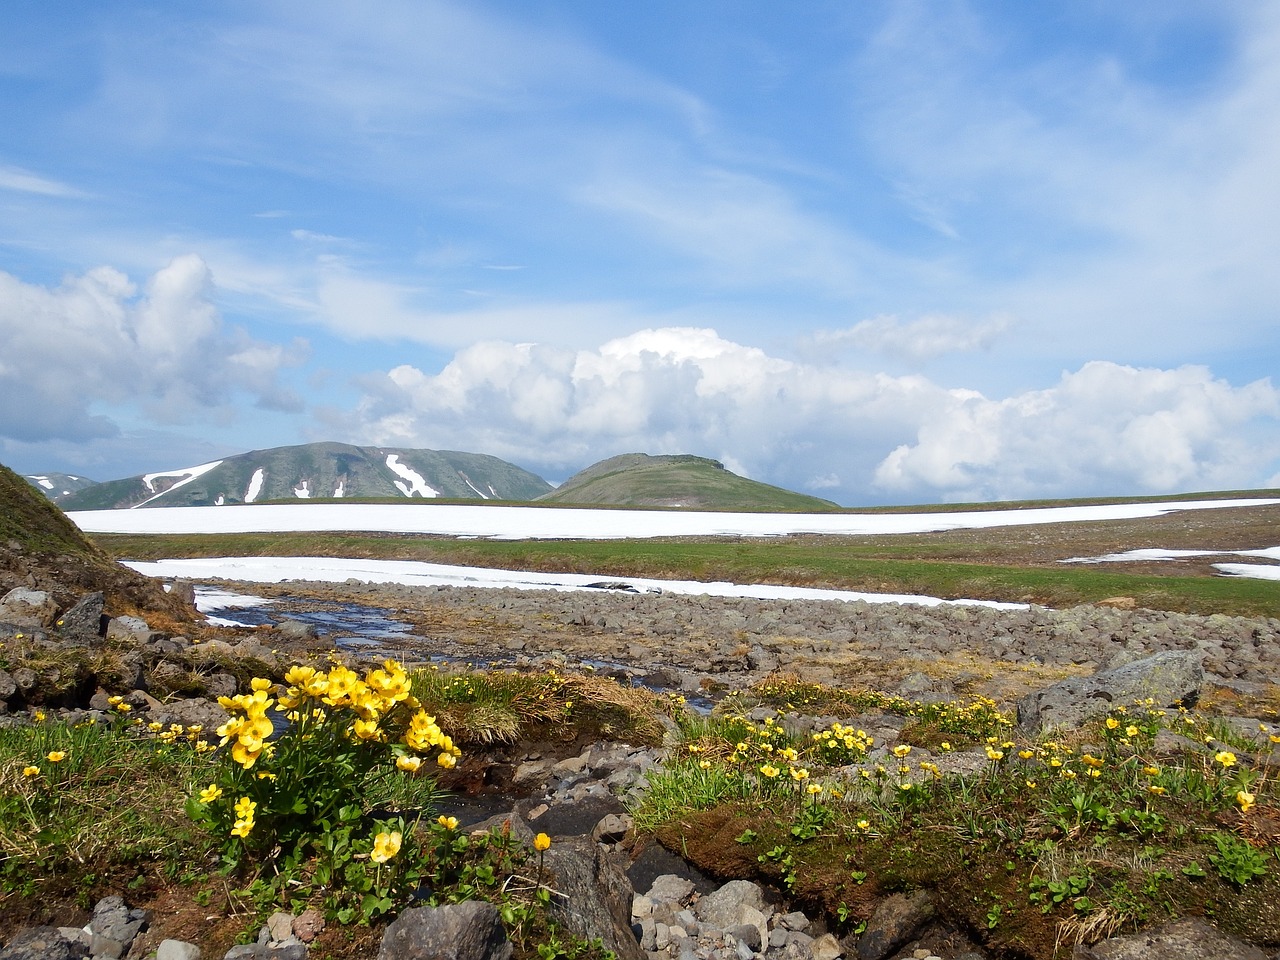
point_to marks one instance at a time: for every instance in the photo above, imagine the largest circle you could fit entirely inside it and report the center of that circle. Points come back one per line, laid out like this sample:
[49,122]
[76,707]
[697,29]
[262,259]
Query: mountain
[55,486]
[40,548]
[639,480]
[317,471]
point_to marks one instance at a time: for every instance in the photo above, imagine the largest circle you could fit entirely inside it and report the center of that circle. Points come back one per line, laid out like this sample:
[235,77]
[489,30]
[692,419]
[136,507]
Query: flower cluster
[840,745]
[249,727]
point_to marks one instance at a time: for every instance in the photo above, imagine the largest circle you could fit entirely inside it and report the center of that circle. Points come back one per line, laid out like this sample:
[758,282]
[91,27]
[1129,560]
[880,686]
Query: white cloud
[23,181]
[1104,428]
[857,436]
[93,344]
[925,338]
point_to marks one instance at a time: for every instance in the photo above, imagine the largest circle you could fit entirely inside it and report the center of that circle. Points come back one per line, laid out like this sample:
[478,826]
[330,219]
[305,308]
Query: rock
[894,922]
[297,630]
[1191,939]
[1118,603]
[43,943]
[1170,677]
[114,927]
[128,629]
[308,925]
[280,925]
[84,621]
[177,950]
[23,607]
[594,896]
[827,947]
[184,590]
[670,888]
[612,828]
[460,931]
[737,902]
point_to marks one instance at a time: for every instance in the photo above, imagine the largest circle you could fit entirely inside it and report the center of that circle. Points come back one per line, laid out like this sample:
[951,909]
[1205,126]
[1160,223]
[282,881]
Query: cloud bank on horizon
[891,252]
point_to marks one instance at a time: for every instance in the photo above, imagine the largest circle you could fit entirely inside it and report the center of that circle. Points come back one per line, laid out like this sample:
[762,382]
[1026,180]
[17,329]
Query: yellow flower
[447,760]
[541,842]
[1226,758]
[210,793]
[449,823]
[1026,754]
[901,750]
[945,745]
[994,754]
[57,756]
[31,771]
[409,764]
[864,825]
[814,789]
[385,846]
[704,764]
[1112,723]
[769,770]
[1245,799]
[799,774]
[1151,771]
[1156,791]
[1131,731]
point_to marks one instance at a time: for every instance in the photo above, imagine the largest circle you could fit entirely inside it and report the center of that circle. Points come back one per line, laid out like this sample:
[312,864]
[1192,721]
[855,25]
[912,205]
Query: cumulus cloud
[854,436]
[97,341]
[1104,428]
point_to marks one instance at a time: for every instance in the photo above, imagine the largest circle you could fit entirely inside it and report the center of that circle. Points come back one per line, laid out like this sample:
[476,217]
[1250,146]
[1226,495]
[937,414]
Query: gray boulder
[1167,678]
[594,896]
[1191,939]
[895,921]
[43,943]
[29,608]
[84,621]
[459,931]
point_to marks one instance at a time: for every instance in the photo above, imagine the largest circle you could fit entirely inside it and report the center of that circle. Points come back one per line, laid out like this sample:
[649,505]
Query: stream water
[377,631]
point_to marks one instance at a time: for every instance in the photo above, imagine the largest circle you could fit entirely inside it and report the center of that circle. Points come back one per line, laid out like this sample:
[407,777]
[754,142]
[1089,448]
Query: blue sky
[876,251]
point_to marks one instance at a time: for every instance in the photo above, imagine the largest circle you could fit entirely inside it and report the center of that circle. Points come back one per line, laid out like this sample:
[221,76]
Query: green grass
[1049,843]
[112,802]
[864,564]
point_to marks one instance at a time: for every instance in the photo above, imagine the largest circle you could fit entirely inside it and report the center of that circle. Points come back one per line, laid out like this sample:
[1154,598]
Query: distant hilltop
[332,471]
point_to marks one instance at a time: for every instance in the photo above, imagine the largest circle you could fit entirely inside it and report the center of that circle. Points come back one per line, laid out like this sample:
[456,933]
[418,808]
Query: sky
[883,251]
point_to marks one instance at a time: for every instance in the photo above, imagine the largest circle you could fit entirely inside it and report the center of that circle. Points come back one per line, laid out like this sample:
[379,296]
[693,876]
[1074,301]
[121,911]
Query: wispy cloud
[23,181]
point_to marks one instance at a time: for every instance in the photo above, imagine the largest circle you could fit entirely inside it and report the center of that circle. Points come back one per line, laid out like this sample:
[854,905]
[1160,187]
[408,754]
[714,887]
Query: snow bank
[551,523]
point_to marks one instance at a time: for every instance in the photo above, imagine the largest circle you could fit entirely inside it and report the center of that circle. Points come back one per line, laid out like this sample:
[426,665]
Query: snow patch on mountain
[480,493]
[302,491]
[188,474]
[255,485]
[416,484]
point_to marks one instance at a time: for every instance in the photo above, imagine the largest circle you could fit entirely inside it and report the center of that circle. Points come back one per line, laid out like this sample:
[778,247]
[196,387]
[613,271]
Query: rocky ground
[709,644]
[698,645]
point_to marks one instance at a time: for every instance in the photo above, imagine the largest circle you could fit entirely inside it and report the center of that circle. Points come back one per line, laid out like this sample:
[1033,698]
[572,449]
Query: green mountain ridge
[55,486]
[40,548]
[330,471]
[319,471]
[680,481]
